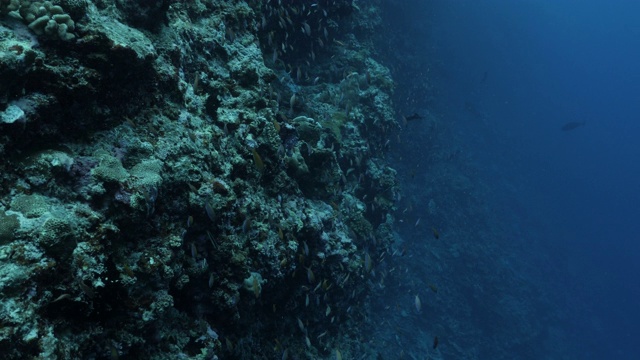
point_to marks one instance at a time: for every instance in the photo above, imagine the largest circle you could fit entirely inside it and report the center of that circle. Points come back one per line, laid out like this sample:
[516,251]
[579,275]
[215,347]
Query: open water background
[539,248]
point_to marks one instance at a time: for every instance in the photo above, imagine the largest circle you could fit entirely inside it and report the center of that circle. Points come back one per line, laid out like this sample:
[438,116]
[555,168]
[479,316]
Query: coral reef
[42,17]
[190,179]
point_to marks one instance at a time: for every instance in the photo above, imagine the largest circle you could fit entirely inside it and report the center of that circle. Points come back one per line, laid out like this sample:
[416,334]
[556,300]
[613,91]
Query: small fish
[256,287]
[433,288]
[435,232]
[292,102]
[211,279]
[349,171]
[209,210]
[306,28]
[114,352]
[325,285]
[573,125]
[338,355]
[86,289]
[418,304]
[61,297]
[213,242]
[368,263]
[345,280]
[196,81]
[306,301]
[417,222]
[484,77]
[257,161]
[310,276]
[129,122]
[300,325]
[246,224]
[305,248]
[285,354]
[328,311]
[435,342]
[280,233]
[189,221]
[415,116]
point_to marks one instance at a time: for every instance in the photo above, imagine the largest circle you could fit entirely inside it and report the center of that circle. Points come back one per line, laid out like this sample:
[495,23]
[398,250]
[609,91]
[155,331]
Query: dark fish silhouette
[436,233]
[573,125]
[472,109]
[484,77]
[406,119]
[415,116]
[435,342]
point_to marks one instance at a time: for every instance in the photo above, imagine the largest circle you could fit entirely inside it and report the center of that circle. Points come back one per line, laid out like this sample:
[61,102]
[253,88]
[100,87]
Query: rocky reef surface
[191,179]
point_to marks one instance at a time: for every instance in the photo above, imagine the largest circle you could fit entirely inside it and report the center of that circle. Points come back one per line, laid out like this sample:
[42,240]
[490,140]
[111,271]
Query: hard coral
[43,17]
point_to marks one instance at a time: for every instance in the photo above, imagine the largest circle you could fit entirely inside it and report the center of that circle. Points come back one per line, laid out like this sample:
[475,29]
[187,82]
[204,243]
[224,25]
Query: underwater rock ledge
[191,179]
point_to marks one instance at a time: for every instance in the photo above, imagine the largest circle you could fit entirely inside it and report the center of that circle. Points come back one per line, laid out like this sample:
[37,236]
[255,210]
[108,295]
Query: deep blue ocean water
[543,234]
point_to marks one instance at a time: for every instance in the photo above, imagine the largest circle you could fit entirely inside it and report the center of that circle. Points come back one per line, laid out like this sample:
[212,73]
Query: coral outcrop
[190,179]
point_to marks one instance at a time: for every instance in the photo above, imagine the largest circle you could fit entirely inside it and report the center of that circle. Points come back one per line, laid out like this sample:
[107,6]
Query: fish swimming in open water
[415,116]
[435,232]
[573,125]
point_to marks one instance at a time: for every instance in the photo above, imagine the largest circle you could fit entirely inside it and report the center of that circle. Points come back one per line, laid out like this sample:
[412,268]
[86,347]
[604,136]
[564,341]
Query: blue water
[556,213]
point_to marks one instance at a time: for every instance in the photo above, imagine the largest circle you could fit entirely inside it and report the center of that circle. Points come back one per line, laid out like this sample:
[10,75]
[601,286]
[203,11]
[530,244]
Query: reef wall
[190,179]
